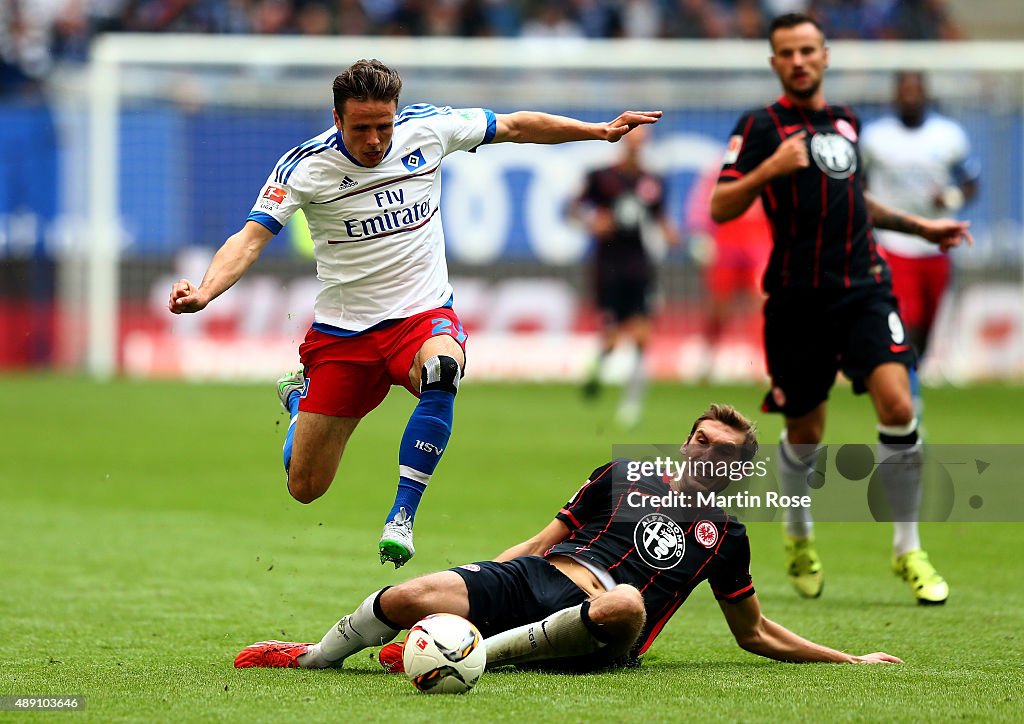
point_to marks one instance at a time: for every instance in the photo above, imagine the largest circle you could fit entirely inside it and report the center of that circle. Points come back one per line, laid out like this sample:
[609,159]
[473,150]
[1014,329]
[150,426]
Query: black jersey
[820,226]
[652,548]
[633,199]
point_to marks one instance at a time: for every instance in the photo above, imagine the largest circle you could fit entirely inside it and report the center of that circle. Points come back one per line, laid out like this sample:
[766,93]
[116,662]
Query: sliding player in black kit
[830,304]
[595,586]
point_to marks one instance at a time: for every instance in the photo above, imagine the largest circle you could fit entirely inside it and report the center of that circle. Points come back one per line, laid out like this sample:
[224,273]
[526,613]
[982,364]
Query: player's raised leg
[435,371]
[334,394]
[375,622]
[319,441]
[314,442]
[900,457]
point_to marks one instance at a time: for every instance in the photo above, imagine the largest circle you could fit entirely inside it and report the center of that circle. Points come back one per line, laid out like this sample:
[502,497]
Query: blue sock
[293,414]
[426,437]
[408,497]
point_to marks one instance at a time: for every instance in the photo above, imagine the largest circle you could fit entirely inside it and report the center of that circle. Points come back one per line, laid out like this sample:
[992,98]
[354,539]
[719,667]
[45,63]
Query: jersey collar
[339,143]
[785,102]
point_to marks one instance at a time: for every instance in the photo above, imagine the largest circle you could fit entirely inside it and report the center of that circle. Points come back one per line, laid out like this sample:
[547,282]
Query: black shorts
[516,592]
[809,337]
[621,299]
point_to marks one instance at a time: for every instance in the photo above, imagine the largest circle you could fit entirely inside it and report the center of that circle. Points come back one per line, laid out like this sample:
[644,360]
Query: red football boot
[273,654]
[390,658]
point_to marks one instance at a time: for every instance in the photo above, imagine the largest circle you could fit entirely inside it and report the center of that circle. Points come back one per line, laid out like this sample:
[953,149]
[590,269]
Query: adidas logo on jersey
[347,183]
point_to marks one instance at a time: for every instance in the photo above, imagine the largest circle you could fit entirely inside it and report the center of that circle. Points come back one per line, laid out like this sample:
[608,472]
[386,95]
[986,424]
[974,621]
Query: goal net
[169,138]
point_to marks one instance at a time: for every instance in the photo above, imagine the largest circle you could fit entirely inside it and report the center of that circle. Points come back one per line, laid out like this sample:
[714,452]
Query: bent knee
[441,372]
[624,604]
[399,599]
[629,600]
[305,489]
[898,411]
[303,495]
[401,603]
[804,433]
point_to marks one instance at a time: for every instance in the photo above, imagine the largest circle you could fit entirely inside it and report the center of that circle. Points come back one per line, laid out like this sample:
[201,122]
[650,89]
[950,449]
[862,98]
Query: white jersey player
[920,161]
[376,231]
[370,189]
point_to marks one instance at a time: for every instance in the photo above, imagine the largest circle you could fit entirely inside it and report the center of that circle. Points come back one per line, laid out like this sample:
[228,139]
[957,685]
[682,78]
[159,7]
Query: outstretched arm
[764,637]
[945,233]
[536,127]
[552,533]
[230,262]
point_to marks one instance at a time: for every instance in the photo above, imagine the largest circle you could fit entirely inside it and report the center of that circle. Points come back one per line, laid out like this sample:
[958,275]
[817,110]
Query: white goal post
[525,71]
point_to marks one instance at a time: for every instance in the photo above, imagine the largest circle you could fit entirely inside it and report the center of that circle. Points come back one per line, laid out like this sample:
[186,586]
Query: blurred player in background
[570,596]
[920,161]
[619,203]
[830,305]
[370,190]
[734,255]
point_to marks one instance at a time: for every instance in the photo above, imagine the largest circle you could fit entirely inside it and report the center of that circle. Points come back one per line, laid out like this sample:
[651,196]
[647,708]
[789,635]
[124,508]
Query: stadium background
[195,143]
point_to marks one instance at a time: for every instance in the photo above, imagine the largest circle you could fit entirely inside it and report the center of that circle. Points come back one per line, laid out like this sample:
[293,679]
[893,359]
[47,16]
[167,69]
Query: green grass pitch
[147,536]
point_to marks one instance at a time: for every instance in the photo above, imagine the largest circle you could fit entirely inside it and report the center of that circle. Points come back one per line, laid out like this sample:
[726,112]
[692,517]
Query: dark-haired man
[370,189]
[830,305]
[594,587]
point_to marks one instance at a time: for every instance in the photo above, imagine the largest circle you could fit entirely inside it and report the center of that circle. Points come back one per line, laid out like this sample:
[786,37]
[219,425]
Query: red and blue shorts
[919,283]
[350,376]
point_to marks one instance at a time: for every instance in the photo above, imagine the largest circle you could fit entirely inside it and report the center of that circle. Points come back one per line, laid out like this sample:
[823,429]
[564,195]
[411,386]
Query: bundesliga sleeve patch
[847,130]
[732,150]
[273,197]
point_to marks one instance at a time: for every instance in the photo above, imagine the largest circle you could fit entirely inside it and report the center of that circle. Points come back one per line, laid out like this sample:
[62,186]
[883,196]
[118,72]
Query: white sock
[360,629]
[900,470]
[796,464]
[563,633]
[905,537]
[636,385]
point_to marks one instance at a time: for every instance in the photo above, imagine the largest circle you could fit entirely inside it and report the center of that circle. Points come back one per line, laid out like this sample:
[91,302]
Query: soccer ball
[444,654]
